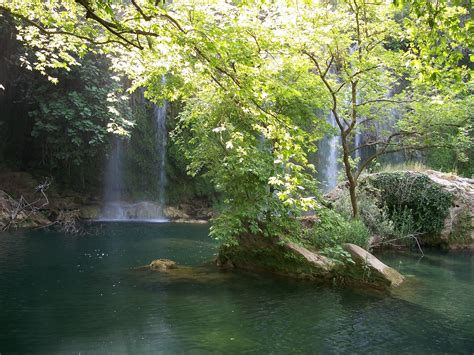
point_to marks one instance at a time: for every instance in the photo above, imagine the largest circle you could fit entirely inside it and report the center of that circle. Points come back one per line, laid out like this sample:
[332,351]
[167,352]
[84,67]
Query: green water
[80,294]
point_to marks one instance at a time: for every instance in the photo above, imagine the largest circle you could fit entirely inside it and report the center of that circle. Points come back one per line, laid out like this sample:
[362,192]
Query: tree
[245,105]
[251,75]
[358,55]
[71,119]
[58,129]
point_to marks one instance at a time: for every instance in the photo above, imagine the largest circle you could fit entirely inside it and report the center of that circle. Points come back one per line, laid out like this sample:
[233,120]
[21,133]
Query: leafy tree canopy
[258,78]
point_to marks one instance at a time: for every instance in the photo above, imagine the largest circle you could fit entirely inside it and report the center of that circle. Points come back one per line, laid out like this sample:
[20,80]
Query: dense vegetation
[65,129]
[254,83]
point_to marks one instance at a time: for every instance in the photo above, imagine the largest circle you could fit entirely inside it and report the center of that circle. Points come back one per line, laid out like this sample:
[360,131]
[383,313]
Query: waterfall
[358,142]
[115,207]
[161,140]
[114,183]
[332,168]
[328,151]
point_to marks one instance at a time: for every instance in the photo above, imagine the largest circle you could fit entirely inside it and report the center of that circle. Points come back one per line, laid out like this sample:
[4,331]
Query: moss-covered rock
[458,227]
[162,265]
[284,258]
[435,207]
[373,270]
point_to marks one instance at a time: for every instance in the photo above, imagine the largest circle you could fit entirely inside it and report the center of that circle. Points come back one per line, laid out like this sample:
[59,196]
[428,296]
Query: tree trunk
[350,177]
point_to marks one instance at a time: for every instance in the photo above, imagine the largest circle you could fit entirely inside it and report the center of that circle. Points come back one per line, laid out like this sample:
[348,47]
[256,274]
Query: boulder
[316,260]
[191,221]
[272,255]
[90,211]
[456,228]
[369,269]
[174,213]
[458,231]
[162,265]
[275,256]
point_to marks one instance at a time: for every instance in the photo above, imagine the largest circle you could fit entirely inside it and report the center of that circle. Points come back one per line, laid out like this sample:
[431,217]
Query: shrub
[373,214]
[414,203]
[333,230]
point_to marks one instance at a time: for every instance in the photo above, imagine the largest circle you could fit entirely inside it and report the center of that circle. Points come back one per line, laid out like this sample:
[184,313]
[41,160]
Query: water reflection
[63,294]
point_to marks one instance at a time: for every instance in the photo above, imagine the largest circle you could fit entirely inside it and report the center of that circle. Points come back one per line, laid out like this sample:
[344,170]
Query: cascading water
[161,140]
[357,143]
[327,158]
[114,183]
[332,168]
[115,208]
[329,146]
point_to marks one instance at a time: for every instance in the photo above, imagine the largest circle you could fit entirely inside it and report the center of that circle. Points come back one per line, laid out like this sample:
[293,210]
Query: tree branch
[384,100]
[50,32]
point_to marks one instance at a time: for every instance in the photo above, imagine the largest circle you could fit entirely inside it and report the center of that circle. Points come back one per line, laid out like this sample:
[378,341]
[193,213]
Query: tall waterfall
[327,156]
[115,207]
[161,140]
[114,182]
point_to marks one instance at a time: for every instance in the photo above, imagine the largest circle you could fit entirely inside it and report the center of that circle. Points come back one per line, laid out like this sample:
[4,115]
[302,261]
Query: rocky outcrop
[90,212]
[17,184]
[162,265]
[143,210]
[187,213]
[373,270]
[175,213]
[274,256]
[454,219]
[458,231]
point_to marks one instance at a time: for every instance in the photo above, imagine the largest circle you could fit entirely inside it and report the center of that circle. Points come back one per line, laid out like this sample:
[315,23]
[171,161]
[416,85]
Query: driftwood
[390,242]
[27,209]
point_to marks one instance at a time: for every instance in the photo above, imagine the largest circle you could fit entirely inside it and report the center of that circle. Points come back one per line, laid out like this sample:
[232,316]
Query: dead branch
[24,209]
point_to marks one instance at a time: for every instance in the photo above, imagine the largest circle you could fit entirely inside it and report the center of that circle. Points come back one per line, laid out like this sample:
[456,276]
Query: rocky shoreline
[23,206]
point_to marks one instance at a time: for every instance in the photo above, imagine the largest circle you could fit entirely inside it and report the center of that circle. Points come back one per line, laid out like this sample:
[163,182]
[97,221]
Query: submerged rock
[162,265]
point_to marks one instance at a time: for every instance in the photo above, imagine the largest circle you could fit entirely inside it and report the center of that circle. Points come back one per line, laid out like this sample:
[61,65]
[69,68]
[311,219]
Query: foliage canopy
[258,78]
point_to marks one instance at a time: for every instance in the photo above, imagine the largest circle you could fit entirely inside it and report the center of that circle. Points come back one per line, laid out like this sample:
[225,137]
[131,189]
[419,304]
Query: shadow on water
[66,294]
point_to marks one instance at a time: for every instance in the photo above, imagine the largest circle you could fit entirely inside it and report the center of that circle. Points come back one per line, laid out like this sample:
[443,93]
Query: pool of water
[83,294]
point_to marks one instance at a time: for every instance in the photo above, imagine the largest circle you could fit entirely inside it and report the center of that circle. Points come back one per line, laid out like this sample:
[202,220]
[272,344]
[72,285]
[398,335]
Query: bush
[414,203]
[372,212]
[333,230]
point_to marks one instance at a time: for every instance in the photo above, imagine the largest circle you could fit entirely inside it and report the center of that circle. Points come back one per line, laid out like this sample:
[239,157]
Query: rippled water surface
[83,294]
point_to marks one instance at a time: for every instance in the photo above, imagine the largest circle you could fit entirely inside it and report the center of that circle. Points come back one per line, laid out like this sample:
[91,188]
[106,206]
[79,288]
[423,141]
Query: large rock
[370,269]
[458,231]
[456,226]
[271,255]
[175,213]
[90,211]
